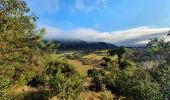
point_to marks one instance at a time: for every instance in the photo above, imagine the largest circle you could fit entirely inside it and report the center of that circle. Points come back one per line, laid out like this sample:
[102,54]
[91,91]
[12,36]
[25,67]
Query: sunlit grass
[93,56]
[79,67]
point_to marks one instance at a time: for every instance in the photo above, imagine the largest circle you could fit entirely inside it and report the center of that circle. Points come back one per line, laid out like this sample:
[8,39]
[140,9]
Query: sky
[122,22]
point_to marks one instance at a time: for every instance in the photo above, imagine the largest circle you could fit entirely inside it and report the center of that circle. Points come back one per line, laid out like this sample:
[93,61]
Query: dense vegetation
[20,53]
[74,44]
[26,60]
[137,76]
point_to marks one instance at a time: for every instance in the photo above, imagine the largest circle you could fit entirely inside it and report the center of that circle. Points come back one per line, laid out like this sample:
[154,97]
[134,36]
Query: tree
[20,42]
[119,52]
[161,52]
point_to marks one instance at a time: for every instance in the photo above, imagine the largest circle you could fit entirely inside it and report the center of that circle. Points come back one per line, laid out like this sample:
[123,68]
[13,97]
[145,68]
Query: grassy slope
[81,68]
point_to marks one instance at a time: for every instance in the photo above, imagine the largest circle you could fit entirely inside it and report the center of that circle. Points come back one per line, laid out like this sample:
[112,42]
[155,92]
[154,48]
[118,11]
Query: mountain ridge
[77,44]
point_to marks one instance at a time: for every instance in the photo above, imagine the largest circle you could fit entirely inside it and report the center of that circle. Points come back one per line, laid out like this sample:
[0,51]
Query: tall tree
[20,41]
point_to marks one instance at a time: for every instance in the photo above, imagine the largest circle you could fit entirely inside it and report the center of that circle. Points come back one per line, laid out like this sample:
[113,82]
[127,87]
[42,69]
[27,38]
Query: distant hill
[75,44]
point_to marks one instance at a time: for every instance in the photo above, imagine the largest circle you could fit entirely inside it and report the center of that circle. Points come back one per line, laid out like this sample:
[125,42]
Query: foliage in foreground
[20,55]
[135,81]
[23,55]
[64,87]
[64,81]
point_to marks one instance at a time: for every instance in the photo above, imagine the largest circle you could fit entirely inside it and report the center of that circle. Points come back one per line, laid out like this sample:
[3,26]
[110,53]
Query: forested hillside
[31,69]
[74,44]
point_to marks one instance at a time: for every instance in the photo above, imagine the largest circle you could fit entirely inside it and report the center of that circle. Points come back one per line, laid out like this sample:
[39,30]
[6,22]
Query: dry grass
[93,56]
[54,98]
[55,56]
[88,95]
[28,93]
[16,90]
[82,69]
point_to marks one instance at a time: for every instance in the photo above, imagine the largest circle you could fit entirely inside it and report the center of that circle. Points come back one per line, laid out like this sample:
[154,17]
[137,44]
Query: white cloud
[53,32]
[130,37]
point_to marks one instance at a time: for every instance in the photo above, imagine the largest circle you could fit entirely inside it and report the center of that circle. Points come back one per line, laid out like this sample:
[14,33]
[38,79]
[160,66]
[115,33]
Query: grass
[92,59]
[77,63]
[90,95]
[93,56]
[79,67]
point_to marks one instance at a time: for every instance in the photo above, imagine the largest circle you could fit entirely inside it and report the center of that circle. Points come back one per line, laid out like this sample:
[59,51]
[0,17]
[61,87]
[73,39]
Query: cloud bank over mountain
[97,20]
[128,37]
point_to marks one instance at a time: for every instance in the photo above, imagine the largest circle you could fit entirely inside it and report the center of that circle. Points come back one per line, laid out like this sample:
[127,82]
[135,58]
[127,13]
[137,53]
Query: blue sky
[102,19]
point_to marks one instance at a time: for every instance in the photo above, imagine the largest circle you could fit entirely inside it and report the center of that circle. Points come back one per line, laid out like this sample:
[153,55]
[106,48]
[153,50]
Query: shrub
[64,81]
[94,72]
[97,83]
[4,84]
[53,67]
[123,65]
[134,83]
[104,64]
[37,81]
[64,87]
[106,59]
[97,79]
[77,55]
[91,72]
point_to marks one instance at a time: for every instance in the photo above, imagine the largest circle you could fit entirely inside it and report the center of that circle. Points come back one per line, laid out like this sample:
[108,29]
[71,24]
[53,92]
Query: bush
[53,67]
[97,83]
[134,83]
[4,84]
[123,65]
[94,72]
[106,59]
[64,87]
[91,72]
[64,81]
[24,78]
[37,81]
[97,79]
[104,64]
